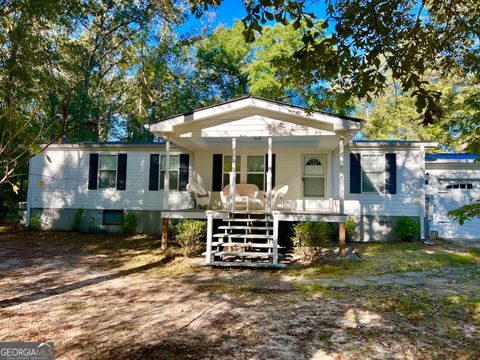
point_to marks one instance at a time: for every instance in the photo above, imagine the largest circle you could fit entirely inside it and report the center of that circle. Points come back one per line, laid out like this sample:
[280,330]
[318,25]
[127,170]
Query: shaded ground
[110,296]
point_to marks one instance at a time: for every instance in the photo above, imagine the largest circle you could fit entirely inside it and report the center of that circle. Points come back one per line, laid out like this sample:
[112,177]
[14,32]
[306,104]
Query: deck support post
[341,176]
[165,222]
[208,256]
[341,238]
[275,239]
[233,174]
[166,179]
[269,176]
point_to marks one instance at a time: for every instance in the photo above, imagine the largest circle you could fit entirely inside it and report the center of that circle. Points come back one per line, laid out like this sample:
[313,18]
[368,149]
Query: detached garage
[453,181]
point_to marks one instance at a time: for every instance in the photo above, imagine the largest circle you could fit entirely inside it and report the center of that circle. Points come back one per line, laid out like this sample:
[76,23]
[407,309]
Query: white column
[269,175]
[233,174]
[275,239]
[208,256]
[341,175]
[166,182]
[421,194]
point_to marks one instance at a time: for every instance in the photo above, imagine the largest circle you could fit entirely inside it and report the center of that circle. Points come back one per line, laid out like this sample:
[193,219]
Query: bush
[310,238]
[128,222]
[190,234]
[407,229]
[351,229]
[77,219]
[35,222]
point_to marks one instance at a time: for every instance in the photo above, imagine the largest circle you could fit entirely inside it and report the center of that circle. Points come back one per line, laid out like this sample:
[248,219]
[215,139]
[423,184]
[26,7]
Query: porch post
[341,196]
[208,256]
[269,176]
[341,175]
[421,194]
[233,174]
[166,179]
[275,239]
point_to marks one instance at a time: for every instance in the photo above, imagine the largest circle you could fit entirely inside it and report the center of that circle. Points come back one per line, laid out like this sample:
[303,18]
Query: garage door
[451,195]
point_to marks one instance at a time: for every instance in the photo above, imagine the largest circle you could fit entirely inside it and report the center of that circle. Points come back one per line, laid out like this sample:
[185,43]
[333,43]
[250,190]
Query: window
[173,171]
[314,175]
[112,217]
[227,168]
[107,171]
[256,170]
[467,186]
[373,173]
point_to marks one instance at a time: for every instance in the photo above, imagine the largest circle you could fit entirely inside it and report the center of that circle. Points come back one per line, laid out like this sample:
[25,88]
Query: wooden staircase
[245,239]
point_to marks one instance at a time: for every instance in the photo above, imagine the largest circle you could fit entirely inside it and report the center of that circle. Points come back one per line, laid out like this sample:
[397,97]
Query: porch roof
[253,118]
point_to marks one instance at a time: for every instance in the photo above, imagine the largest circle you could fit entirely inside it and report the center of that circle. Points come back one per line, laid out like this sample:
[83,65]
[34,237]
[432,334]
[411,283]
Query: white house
[329,176]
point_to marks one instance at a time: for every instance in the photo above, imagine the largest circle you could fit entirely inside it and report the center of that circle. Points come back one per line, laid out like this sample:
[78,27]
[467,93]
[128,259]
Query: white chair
[278,193]
[200,196]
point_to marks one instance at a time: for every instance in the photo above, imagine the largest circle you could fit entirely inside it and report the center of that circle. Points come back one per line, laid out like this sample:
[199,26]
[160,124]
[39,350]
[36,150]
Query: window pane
[255,163]
[173,180]
[174,161]
[314,166]
[108,179]
[256,179]
[227,163]
[108,162]
[373,182]
[162,180]
[226,179]
[373,163]
[314,186]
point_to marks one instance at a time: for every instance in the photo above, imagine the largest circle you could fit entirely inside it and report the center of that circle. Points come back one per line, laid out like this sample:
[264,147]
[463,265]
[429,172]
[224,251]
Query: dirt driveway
[106,296]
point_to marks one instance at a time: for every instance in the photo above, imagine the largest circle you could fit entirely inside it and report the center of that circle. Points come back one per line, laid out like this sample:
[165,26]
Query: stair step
[242,254]
[244,264]
[244,236]
[239,244]
[227,227]
[247,220]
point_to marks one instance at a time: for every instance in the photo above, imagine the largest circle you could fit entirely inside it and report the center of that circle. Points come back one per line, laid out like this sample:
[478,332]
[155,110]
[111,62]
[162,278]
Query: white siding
[65,183]
[409,183]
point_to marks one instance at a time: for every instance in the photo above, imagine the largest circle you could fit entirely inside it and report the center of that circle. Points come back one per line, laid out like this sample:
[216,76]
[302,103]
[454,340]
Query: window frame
[100,170]
[255,172]
[107,212]
[238,163]
[325,165]
[161,181]
[242,172]
[362,172]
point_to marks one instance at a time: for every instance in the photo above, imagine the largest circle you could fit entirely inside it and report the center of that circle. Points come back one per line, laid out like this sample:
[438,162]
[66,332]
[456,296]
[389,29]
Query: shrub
[407,229]
[351,229]
[189,234]
[35,222]
[77,219]
[310,238]
[128,222]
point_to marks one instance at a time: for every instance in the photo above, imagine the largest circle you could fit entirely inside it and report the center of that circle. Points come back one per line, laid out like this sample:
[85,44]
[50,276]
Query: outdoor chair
[200,197]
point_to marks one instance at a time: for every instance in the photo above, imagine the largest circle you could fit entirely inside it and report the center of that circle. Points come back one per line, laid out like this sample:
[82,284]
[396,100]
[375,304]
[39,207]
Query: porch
[257,143]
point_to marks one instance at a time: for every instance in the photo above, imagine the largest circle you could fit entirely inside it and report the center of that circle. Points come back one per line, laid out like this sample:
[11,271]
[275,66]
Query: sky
[230,10]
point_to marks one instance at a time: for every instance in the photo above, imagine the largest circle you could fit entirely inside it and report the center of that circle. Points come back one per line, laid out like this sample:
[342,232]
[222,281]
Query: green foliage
[407,229]
[310,238]
[190,234]
[310,233]
[35,222]
[77,219]
[466,212]
[128,222]
[351,229]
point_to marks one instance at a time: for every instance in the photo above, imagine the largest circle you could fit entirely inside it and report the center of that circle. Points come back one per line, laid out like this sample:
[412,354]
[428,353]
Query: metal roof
[450,156]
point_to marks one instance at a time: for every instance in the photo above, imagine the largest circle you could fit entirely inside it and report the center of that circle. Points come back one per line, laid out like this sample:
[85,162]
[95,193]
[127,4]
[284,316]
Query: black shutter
[355,174]
[122,172]
[217,172]
[274,161]
[391,173]
[183,177]
[154,168]
[93,172]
